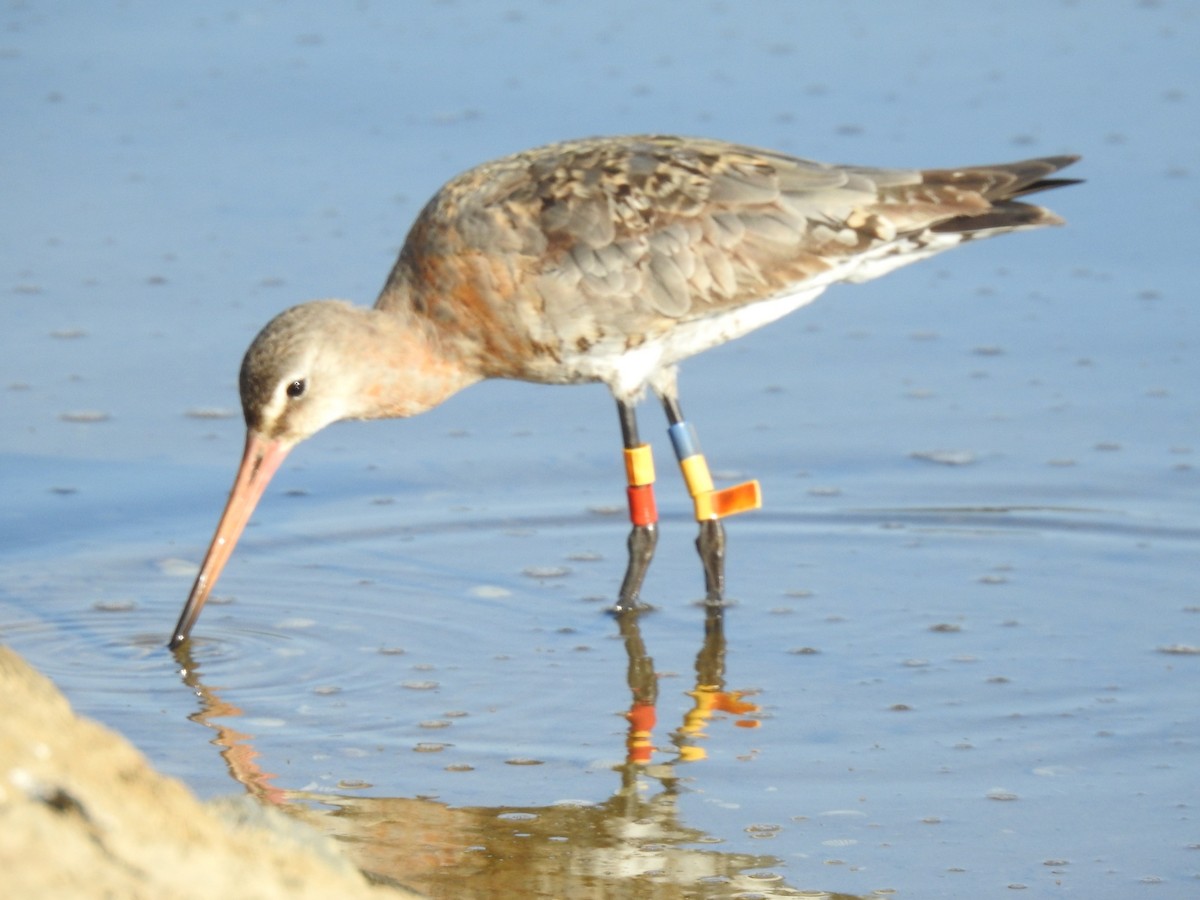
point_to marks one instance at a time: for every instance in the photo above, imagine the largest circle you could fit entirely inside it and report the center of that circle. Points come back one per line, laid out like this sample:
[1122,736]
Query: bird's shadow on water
[633,841]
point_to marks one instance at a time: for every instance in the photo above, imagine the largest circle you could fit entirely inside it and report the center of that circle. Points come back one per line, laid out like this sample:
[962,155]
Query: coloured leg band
[639,471]
[639,465]
[709,503]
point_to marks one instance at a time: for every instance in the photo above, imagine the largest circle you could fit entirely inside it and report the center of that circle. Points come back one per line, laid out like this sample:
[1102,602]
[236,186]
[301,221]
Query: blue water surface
[964,648]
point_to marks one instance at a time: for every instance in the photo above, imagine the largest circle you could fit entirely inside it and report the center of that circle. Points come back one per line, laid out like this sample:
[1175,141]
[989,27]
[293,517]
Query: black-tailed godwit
[611,260]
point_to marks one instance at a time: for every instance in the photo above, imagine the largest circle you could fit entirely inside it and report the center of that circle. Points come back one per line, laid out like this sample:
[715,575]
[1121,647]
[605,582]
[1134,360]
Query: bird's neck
[408,369]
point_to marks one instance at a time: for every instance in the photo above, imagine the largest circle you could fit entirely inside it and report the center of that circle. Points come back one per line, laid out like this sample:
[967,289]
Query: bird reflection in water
[709,695]
[631,844]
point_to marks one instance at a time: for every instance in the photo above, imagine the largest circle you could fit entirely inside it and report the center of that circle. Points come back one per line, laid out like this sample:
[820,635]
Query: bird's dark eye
[296,388]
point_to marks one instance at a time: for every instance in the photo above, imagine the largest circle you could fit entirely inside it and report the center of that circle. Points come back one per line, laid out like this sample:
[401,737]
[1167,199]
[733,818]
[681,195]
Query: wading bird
[610,260]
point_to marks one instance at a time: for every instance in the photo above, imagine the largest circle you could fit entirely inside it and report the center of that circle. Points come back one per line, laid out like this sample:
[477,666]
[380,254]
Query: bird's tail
[1001,184]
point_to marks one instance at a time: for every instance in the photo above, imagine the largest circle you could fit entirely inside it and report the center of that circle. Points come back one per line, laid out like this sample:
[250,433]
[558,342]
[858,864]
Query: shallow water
[964,645]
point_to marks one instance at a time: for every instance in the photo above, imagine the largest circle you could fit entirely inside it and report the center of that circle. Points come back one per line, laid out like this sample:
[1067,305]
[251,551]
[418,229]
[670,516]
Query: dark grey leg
[710,544]
[711,541]
[644,535]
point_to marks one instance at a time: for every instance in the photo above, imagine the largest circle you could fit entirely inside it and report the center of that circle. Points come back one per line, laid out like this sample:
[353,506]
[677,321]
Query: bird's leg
[643,513]
[710,504]
[710,544]
[643,686]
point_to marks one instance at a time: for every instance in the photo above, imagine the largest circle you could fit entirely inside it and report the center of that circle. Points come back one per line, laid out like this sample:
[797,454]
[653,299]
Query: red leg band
[639,741]
[642,508]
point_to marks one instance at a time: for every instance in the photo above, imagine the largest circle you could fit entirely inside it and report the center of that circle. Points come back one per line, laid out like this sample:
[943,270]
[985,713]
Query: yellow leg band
[695,475]
[639,465]
[709,502]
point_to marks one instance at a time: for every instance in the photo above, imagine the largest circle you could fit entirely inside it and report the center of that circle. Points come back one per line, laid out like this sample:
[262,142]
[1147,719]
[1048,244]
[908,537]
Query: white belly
[629,372]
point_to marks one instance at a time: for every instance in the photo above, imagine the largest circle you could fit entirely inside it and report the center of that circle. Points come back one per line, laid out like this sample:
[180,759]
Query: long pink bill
[259,462]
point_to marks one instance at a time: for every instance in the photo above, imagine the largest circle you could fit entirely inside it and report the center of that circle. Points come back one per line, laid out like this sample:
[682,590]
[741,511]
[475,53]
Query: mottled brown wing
[664,228]
[636,234]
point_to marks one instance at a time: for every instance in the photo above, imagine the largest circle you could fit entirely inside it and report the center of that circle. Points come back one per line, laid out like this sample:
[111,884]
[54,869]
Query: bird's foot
[642,541]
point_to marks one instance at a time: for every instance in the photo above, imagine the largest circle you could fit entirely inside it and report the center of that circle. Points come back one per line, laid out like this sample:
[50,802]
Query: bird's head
[298,376]
[299,373]
[313,365]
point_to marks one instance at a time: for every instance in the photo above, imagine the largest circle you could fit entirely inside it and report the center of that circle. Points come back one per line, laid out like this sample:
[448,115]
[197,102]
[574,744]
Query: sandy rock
[82,814]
